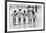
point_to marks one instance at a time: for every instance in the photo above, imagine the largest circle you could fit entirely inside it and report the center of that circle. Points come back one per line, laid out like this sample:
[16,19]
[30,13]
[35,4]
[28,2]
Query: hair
[14,11]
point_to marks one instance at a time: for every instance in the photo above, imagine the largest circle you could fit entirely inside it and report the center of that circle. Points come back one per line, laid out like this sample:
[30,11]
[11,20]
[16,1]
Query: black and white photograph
[24,16]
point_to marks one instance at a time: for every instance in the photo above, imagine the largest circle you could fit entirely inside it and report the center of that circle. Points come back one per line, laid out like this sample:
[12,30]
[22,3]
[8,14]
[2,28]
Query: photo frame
[36,8]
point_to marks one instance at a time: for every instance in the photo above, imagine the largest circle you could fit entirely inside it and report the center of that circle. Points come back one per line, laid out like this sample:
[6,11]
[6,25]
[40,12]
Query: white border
[22,28]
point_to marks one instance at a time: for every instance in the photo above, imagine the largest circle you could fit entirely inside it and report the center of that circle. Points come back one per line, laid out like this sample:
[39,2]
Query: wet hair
[29,6]
[24,11]
[19,9]
[14,11]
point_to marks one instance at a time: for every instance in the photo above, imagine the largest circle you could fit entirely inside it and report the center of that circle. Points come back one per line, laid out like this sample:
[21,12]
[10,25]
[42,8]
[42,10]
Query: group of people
[22,17]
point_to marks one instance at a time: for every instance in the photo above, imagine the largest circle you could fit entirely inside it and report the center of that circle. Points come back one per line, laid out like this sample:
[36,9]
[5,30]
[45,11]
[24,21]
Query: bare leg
[33,20]
[19,20]
[14,21]
[24,20]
